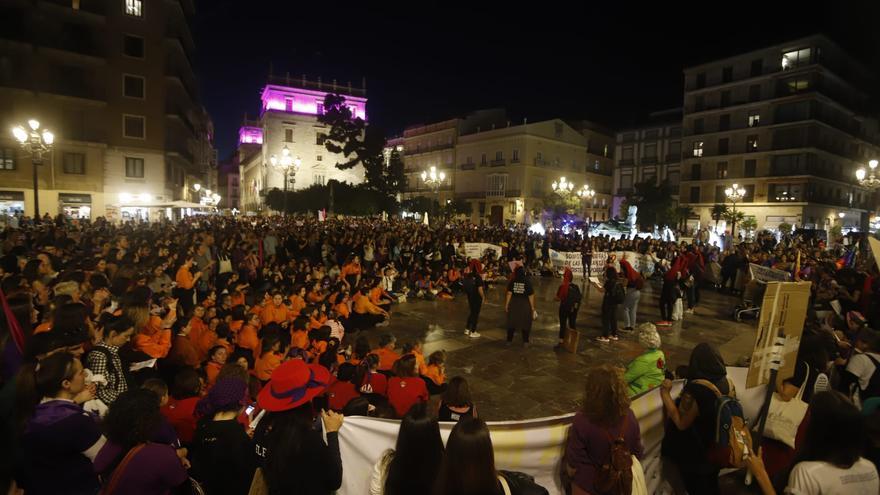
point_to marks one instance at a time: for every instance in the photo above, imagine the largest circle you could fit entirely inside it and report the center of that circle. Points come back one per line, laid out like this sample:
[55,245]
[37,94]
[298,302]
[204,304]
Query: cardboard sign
[764,274]
[875,249]
[783,312]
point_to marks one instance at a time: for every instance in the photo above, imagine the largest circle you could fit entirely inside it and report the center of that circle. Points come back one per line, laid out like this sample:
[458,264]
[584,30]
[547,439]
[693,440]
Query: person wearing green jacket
[648,369]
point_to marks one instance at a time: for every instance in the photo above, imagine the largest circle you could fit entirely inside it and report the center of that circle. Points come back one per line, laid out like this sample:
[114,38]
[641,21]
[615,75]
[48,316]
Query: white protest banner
[784,308]
[764,274]
[534,447]
[478,249]
[572,259]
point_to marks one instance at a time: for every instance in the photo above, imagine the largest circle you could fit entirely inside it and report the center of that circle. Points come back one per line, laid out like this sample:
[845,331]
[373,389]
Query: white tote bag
[677,310]
[225,265]
[784,418]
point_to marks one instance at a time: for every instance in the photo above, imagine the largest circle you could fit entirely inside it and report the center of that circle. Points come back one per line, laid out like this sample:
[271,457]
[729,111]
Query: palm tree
[748,224]
[683,213]
[718,212]
[733,217]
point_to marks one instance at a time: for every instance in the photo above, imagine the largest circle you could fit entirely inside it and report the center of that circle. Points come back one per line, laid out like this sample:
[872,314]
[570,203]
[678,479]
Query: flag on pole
[797,267]
[425,221]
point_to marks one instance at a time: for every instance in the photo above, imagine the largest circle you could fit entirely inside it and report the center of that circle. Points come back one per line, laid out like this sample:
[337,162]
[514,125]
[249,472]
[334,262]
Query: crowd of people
[225,353]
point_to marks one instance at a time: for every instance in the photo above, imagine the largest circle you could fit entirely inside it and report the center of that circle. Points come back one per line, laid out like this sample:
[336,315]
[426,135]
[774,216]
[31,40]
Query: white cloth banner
[643,264]
[478,249]
[534,446]
[764,274]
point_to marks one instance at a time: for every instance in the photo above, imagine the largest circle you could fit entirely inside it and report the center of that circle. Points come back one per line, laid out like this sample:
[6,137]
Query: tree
[718,212]
[749,224]
[459,207]
[654,203]
[733,217]
[682,214]
[784,227]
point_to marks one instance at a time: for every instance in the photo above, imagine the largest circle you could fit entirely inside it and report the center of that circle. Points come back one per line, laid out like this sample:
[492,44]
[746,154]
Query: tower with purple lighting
[289,110]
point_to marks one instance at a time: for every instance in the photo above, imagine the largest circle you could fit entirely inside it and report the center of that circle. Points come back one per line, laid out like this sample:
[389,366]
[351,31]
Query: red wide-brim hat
[293,384]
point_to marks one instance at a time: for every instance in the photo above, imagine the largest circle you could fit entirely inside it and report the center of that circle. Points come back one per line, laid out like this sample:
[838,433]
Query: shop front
[11,202]
[75,205]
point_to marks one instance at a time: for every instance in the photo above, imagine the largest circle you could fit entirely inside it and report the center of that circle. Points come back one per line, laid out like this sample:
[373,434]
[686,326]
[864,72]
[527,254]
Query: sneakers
[467,331]
[822,384]
[474,335]
[664,323]
[604,340]
[614,338]
[689,311]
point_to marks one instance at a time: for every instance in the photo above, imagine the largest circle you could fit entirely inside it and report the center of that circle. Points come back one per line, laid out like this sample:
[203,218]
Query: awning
[172,204]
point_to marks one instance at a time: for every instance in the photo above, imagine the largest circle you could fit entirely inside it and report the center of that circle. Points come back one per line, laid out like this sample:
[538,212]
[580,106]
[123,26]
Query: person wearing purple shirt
[155,468]
[605,416]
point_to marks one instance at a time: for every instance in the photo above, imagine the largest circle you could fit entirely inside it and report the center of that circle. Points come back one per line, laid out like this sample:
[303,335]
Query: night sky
[612,63]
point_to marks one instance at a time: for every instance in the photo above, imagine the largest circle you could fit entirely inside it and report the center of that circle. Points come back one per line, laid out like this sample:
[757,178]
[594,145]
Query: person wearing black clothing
[610,299]
[473,287]
[520,305]
[729,266]
[587,257]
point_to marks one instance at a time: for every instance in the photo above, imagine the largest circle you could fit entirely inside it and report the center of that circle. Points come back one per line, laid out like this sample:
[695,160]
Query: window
[723,146]
[797,85]
[673,177]
[7,158]
[133,86]
[288,135]
[319,107]
[596,165]
[755,92]
[134,167]
[699,126]
[626,154]
[721,170]
[695,171]
[727,74]
[675,149]
[319,180]
[469,160]
[651,151]
[320,138]
[499,155]
[605,150]
[557,129]
[495,186]
[750,168]
[652,134]
[288,104]
[699,103]
[538,186]
[626,181]
[724,122]
[695,194]
[515,157]
[757,67]
[725,99]
[134,8]
[754,118]
[701,80]
[133,46]
[795,58]
[698,148]
[483,160]
[134,126]
[752,143]
[319,158]
[74,163]
[720,197]
[749,196]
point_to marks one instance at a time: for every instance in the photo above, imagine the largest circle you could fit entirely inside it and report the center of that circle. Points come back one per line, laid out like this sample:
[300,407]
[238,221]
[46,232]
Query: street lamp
[286,164]
[434,179]
[734,194]
[562,187]
[36,142]
[785,197]
[872,182]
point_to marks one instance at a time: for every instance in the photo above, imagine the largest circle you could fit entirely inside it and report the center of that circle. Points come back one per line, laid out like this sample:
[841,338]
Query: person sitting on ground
[648,369]
[386,353]
[406,388]
[180,410]
[412,466]
[216,359]
[435,372]
[104,359]
[342,391]
[456,402]
[368,379]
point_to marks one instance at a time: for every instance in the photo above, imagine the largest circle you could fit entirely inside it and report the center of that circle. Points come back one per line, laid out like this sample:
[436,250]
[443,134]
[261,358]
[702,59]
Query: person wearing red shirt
[181,407]
[340,392]
[368,379]
[407,388]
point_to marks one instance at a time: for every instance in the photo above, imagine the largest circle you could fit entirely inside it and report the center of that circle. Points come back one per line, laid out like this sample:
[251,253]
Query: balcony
[649,160]
[468,166]
[673,158]
[498,163]
[624,162]
[540,162]
[428,149]
[512,193]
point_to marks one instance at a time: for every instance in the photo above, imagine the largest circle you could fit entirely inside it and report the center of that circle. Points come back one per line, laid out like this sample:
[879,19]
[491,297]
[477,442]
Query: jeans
[631,306]
[609,318]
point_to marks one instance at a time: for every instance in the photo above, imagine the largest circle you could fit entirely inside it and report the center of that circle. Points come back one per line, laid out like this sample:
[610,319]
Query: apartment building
[790,124]
[649,153]
[113,79]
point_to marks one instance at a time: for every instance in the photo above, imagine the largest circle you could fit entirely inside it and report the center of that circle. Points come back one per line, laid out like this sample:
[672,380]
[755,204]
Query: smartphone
[250,409]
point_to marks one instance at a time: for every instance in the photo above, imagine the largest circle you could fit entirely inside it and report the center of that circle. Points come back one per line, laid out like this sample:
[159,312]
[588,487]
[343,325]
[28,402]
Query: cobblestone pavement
[513,382]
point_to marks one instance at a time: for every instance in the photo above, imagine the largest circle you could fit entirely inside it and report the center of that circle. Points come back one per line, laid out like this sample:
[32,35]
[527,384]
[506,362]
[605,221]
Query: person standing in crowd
[184,292]
[473,288]
[104,359]
[288,442]
[613,293]
[569,297]
[220,451]
[670,292]
[520,306]
[587,257]
[131,461]
[634,282]
[647,370]
[690,428]
[412,466]
[605,418]
[696,266]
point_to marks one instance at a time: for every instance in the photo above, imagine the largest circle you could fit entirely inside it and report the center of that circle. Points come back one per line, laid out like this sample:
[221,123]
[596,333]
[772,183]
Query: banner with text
[764,274]
[478,249]
[643,264]
[534,446]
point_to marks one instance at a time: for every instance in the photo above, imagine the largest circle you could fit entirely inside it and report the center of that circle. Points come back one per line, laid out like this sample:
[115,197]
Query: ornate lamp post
[434,179]
[286,164]
[36,142]
[562,187]
[586,194]
[871,182]
[734,194]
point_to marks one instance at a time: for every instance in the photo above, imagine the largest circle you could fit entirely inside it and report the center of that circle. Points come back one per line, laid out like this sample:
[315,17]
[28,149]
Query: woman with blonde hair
[604,419]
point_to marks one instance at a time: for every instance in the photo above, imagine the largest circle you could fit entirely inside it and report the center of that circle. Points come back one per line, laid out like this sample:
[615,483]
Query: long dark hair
[834,433]
[469,465]
[285,438]
[36,380]
[418,454]
[458,393]
[133,418]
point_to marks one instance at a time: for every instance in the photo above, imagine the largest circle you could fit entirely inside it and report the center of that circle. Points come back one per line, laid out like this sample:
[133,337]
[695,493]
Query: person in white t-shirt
[830,462]
[863,365]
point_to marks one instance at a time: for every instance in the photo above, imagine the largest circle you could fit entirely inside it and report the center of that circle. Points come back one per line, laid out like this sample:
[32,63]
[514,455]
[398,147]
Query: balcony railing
[468,166]
[498,163]
[649,160]
[627,161]
[512,193]
[428,149]
[540,162]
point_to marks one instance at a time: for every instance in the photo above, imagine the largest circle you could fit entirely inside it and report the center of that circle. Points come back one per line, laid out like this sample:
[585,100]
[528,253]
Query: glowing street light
[871,182]
[288,165]
[36,142]
[734,194]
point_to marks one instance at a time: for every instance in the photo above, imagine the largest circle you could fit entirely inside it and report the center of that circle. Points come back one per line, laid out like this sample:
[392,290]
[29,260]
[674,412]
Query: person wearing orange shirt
[216,360]
[316,295]
[154,338]
[435,374]
[298,300]
[272,354]
[380,298]
[365,313]
[186,281]
[299,335]
[351,272]
[248,336]
[415,349]
[183,352]
[198,329]
[385,352]
[276,312]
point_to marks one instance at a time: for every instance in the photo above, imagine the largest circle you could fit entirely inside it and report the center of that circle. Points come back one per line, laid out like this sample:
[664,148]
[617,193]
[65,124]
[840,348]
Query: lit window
[754,119]
[134,8]
[698,148]
[288,104]
[134,167]
[798,85]
[795,58]
[752,143]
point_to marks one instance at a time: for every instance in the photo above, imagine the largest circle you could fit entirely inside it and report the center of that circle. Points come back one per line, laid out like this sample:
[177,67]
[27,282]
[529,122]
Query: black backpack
[574,296]
[618,293]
